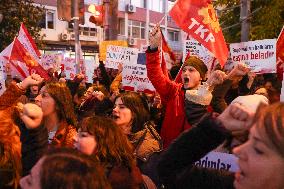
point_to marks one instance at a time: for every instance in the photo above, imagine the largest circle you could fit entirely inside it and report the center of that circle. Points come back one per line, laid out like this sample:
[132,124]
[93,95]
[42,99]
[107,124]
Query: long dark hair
[64,103]
[112,144]
[140,114]
[68,168]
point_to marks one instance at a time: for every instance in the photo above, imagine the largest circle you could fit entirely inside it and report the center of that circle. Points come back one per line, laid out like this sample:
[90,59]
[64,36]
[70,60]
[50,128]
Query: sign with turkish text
[194,48]
[69,68]
[120,55]
[134,76]
[259,55]
[105,44]
[219,161]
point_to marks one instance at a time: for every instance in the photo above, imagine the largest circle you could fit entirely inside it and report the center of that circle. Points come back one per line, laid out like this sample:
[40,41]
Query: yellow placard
[104,44]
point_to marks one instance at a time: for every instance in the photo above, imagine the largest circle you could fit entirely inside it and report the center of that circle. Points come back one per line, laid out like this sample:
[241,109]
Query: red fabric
[30,39]
[280,54]
[166,50]
[198,19]
[19,53]
[172,95]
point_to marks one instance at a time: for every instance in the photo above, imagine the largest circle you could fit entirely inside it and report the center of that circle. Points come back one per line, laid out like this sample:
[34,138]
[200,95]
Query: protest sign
[105,44]
[120,55]
[52,61]
[134,76]
[91,65]
[69,68]
[259,55]
[220,161]
[194,48]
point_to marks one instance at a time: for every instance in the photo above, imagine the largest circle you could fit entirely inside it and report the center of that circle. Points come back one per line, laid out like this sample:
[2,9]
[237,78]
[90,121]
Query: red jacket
[172,95]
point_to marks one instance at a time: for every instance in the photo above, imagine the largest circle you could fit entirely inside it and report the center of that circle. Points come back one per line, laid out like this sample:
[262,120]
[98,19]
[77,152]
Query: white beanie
[251,102]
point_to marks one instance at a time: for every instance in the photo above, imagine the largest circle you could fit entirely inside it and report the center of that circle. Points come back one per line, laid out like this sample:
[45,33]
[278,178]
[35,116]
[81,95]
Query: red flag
[280,54]
[168,57]
[198,19]
[19,53]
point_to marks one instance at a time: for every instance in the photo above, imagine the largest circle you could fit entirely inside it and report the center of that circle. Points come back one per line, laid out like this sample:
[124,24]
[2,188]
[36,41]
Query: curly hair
[68,168]
[113,145]
[136,104]
[10,148]
[64,103]
[269,121]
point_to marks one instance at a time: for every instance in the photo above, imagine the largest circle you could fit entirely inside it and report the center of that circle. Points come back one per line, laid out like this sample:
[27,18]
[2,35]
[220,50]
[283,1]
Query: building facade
[135,17]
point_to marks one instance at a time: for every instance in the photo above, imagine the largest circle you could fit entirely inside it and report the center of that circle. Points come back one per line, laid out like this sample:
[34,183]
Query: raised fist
[236,117]
[31,115]
[155,37]
[239,70]
[217,77]
[33,79]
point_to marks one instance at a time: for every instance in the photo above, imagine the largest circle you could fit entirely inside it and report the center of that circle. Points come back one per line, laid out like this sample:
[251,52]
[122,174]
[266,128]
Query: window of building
[139,3]
[121,28]
[156,5]
[173,35]
[48,21]
[136,29]
[86,31]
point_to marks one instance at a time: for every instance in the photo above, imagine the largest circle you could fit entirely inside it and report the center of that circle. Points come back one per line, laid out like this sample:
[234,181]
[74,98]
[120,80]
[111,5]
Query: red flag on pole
[167,56]
[19,53]
[198,19]
[280,54]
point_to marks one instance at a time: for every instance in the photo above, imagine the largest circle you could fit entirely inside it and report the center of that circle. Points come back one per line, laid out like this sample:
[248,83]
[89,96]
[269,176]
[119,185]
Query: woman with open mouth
[260,158]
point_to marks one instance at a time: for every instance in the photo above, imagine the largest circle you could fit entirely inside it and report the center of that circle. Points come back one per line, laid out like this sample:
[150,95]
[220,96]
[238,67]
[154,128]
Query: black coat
[176,169]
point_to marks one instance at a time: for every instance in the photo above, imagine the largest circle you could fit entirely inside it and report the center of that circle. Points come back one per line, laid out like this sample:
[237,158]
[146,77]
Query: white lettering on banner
[259,55]
[201,31]
[220,161]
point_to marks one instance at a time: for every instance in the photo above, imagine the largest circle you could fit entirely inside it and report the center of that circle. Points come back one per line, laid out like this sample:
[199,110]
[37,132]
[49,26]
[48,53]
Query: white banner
[90,67]
[52,61]
[220,161]
[134,76]
[259,55]
[194,48]
[69,68]
[120,55]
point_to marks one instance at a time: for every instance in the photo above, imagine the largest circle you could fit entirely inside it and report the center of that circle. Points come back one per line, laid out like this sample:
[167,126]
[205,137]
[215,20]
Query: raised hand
[155,37]
[236,117]
[239,70]
[217,77]
[31,115]
[33,79]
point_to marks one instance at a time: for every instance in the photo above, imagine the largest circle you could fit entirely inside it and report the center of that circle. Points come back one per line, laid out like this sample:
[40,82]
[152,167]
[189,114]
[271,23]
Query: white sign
[90,67]
[134,76]
[259,55]
[120,55]
[220,161]
[69,68]
[52,61]
[194,48]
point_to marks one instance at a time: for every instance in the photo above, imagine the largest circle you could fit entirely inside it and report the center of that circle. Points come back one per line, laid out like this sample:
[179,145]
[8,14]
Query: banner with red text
[259,55]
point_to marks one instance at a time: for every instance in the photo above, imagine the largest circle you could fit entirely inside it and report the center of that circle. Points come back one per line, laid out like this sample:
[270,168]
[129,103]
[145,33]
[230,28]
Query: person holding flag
[172,93]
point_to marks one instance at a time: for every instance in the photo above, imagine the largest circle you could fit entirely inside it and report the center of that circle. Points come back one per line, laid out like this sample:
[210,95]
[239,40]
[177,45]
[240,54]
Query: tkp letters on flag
[198,19]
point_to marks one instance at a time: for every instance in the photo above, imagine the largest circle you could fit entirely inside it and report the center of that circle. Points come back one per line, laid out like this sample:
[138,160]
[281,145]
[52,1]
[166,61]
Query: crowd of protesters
[69,134]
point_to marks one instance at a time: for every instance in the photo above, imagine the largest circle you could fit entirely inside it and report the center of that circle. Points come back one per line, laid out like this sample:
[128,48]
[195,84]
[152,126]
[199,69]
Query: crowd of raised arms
[62,134]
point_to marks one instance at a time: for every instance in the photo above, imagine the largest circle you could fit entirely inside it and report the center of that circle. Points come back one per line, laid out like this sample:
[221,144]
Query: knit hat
[197,64]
